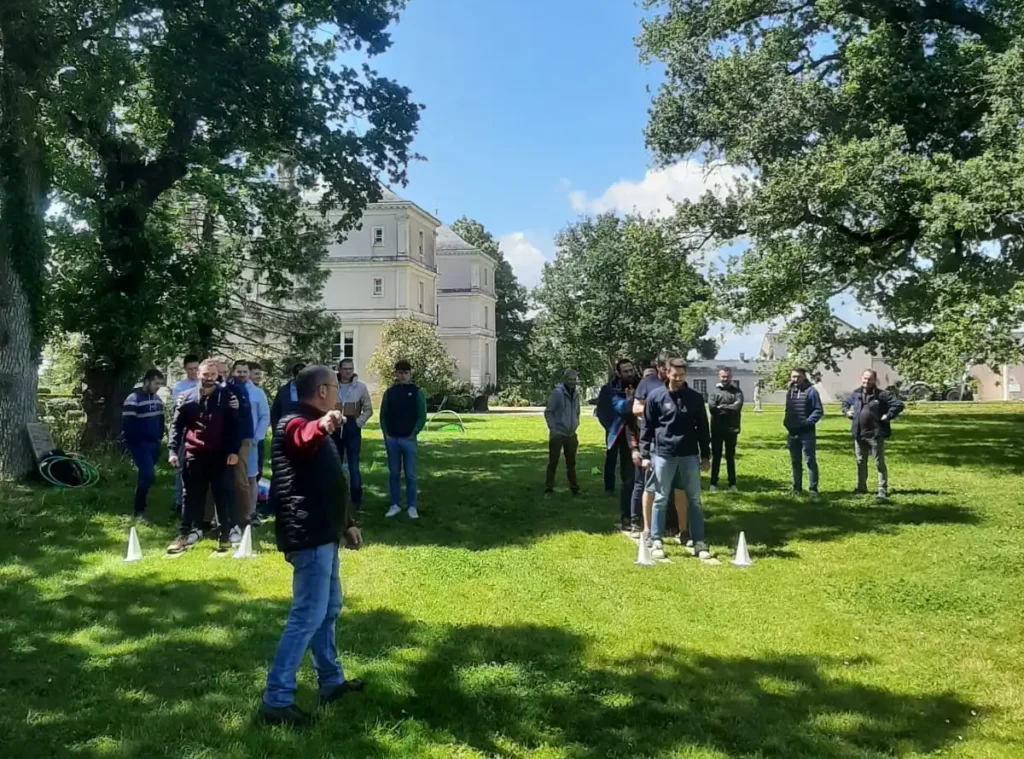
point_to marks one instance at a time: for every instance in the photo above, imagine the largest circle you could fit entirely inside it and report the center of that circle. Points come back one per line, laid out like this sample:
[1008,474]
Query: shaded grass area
[504,624]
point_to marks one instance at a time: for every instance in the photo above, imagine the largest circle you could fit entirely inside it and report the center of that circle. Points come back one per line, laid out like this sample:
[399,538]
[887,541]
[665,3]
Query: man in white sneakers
[403,415]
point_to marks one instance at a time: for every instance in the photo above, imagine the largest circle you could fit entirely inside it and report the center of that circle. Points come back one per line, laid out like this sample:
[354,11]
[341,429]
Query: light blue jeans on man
[676,473]
[402,455]
[316,604]
[805,442]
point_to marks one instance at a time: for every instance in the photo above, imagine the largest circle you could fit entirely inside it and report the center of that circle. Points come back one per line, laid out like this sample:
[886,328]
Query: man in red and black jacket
[205,422]
[310,497]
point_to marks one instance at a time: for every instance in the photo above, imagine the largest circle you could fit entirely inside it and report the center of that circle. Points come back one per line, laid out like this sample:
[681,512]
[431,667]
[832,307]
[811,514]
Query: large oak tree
[885,151]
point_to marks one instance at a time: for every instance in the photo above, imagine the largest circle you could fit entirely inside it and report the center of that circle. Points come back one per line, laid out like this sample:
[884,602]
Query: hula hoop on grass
[447,412]
[87,474]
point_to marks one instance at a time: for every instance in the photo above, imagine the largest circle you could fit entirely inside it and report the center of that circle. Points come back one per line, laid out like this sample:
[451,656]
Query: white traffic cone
[643,554]
[134,549]
[244,550]
[742,556]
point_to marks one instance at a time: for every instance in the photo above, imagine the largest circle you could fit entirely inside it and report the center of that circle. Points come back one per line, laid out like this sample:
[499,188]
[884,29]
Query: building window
[344,346]
[378,235]
[421,245]
[487,317]
[421,296]
[487,277]
[378,286]
[701,386]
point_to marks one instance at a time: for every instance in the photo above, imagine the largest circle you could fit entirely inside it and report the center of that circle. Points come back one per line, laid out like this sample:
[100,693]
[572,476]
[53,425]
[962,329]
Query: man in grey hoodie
[355,405]
[563,418]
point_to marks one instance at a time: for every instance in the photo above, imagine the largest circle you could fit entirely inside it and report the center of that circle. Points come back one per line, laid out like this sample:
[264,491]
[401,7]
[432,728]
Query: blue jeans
[144,456]
[402,453]
[316,604]
[351,444]
[804,442]
[676,473]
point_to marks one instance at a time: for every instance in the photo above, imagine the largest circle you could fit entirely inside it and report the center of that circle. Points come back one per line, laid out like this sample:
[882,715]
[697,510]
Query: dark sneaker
[349,686]
[224,545]
[859,491]
[626,525]
[548,492]
[283,715]
[255,521]
[575,491]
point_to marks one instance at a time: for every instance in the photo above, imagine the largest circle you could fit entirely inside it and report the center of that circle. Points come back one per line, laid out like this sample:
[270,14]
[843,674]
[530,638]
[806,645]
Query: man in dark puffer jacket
[308,488]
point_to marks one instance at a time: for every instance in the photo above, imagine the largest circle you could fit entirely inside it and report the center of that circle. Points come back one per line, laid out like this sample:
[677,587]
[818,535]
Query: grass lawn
[505,625]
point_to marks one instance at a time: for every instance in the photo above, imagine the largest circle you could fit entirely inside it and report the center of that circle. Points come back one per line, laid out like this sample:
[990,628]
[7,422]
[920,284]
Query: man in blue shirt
[142,423]
[260,407]
[803,412]
[678,440]
[191,364]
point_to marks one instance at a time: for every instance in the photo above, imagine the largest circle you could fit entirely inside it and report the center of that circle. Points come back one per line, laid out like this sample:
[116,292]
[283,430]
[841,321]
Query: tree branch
[952,12]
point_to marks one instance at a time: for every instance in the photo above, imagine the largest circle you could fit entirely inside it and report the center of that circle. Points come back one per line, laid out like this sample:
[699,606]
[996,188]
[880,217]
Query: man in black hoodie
[726,405]
[677,437]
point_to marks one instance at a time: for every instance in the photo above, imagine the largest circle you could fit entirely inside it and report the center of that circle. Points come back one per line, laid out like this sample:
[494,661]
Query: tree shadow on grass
[129,665]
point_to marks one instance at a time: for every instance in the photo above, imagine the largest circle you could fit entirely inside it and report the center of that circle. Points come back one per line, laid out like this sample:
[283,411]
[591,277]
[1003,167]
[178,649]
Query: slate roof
[448,241]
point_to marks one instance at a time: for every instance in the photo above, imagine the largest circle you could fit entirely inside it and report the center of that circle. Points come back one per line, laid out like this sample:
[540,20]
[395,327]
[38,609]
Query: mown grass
[502,624]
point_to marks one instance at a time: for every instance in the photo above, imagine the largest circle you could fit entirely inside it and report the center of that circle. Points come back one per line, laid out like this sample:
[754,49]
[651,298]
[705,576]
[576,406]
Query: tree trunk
[18,373]
[102,399]
[22,252]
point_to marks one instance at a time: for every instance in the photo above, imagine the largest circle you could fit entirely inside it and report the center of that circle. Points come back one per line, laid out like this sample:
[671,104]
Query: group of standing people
[660,437]
[216,441]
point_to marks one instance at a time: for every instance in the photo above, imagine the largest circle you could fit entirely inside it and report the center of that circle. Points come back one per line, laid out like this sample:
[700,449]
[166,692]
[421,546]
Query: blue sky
[534,114]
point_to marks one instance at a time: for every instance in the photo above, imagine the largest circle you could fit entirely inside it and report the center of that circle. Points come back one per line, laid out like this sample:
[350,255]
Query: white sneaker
[393,511]
[713,489]
[690,549]
[733,489]
[413,514]
[193,537]
[704,555]
[235,535]
[657,550]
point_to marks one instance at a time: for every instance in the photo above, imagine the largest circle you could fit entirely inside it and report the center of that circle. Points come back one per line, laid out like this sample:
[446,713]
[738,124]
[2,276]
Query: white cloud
[656,192]
[524,256]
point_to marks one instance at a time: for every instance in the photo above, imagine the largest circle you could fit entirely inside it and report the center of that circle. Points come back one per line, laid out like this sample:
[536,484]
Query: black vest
[309,495]
[796,408]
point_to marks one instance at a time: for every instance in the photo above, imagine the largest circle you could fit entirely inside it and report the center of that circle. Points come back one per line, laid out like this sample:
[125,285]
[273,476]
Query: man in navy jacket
[142,423]
[870,411]
[803,412]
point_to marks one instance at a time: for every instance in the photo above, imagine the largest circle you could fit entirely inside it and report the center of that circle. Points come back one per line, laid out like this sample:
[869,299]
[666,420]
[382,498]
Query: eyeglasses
[328,384]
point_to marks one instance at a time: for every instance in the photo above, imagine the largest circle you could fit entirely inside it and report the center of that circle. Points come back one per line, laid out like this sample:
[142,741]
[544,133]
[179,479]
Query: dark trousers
[144,456]
[622,453]
[203,473]
[728,439]
[349,442]
[570,444]
[611,460]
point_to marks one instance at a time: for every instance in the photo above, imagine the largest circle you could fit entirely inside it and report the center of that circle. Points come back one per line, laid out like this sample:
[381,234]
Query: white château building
[404,263]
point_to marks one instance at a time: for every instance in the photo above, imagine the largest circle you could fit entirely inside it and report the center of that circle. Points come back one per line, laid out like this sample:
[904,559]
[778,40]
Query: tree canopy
[512,301]
[885,159]
[621,288]
[174,116]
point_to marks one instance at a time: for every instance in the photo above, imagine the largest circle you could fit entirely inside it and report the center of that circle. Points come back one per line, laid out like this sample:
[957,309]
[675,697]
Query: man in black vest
[870,411]
[803,411]
[725,405]
[308,489]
